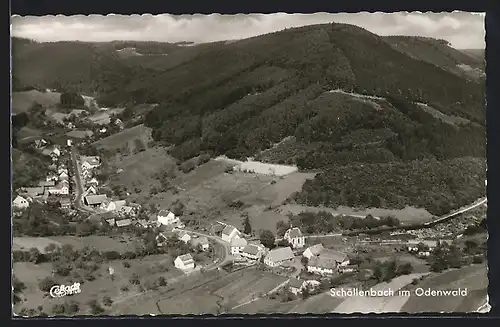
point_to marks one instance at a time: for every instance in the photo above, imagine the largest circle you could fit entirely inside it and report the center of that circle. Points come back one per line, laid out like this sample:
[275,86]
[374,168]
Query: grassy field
[102,243]
[406,215]
[27,133]
[22,101]
[474,278]
[126,138]
[147,269]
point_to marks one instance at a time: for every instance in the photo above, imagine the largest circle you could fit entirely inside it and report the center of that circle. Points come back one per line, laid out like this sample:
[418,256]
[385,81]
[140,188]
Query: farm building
[321,266]
[113,205]
[90,162]
[295,285]
[202,242]
[47,183]
[313,251]
[61,188]
[278,256]
[184,262]
[229,232]
[20,202]
[184,236]
[295,238]
[32,191]
[340,258]
[95,200]
[123,223]
[166,217]
[237,245]
[252,252]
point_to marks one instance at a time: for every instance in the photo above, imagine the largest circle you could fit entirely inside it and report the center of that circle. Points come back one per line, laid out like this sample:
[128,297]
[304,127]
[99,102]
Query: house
[321,266]
[202,242]
[184,262]
[127,211]
[93,182]
[295,238]
[296,285]
[60,189]
[69,142]
[237,245]
[348,269]
[33,191]
[103,130]
[421,245]
[424,253]
[123,223]
[65,203]
[111,221]
[90,161]
[252,252]
[91,190]
[51,178]
[119,123]
[142,223]
[217,229]
[51,151]
[95,200]
[62,169]
[20,202]
[340,258]
[313,251]
[229,232]
[63,175]
[113,205]
[40,143]
[184,236]
[166,217]
[278,256]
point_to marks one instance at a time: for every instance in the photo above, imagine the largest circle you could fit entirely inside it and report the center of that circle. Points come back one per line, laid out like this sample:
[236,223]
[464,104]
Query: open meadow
[23,101]
[474,278]
[118,286]
[126,138]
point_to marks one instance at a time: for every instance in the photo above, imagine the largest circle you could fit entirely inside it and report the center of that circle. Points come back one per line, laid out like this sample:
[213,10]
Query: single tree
[247,228]
[267,238]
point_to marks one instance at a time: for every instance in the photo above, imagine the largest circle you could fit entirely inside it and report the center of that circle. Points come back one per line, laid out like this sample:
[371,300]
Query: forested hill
[391,106]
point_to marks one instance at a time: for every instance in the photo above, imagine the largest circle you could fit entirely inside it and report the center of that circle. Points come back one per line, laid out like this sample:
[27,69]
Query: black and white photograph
[248,164]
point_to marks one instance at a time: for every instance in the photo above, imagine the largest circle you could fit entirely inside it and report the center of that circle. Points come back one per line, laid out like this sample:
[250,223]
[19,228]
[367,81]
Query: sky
[462,29]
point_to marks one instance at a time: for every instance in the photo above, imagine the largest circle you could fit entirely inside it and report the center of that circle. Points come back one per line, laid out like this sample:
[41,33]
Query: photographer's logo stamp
[63,290]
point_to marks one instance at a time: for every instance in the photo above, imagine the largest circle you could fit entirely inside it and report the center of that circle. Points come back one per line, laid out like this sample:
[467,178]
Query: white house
[237,245]
[93,182]
[166,217]
[202,242]
[91,191]
[127,210]
[321,266]
[40,143]
[184,262]
[20,202]
[252,252]
[113,205]
[63,175]
[295,238]
[313,251]
[229,232]
[69,142]
[51,151]
[278,256]
[184,236]
[51,178]
[60,189]
[90,162]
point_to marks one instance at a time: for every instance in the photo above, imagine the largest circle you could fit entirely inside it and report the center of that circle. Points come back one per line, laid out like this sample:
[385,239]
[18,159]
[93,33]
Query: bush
[106,300]
[95,307]
[124,288]
[126,264]
[134,279]
[162,281]
[72,307]
[478,259]
[58,309]
[46,284]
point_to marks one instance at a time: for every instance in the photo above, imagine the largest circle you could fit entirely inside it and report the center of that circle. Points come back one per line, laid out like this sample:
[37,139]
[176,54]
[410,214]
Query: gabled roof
[96,199]
[280,254]
[186,259]
[165,213]
[251,249]
[316,249]
[123,222]
[64,201]
[19,199]
[119,204]
[333,255]
[228,230]
[294,232]
[182,233]
[239,242]
[324,263]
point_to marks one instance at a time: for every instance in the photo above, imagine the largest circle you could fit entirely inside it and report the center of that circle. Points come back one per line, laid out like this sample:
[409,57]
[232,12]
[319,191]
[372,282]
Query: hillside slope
[341,97]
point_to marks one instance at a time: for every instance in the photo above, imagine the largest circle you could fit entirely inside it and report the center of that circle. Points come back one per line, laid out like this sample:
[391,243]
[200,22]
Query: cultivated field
[260,168]
[474,278]
[117,287]
[222,294]
[103,117]
[406,215]
[101,243]
[126,138]
[22,101]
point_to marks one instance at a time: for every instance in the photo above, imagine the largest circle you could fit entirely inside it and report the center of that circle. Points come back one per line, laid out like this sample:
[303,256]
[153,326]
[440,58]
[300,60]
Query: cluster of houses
[56,184]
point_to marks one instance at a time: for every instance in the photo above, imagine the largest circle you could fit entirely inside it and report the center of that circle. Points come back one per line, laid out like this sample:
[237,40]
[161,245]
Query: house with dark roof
[229,232]
[278,256]
[295,238]
[184,262]
[123,223]
[95,200]
[321,266]
[295,285]
[252,252]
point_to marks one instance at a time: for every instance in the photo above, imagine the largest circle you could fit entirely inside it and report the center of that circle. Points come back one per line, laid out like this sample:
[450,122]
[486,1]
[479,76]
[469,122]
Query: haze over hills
[351,104]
